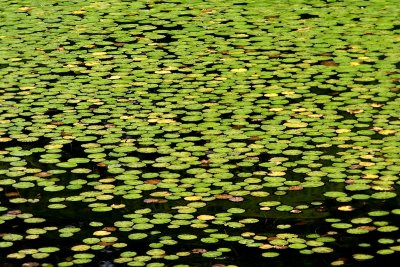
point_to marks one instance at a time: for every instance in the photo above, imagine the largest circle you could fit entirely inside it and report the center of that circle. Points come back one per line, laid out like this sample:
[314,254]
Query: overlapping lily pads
[168,133]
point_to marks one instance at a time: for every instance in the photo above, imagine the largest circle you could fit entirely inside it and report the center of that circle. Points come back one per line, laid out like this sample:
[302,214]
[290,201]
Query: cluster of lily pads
[199,133]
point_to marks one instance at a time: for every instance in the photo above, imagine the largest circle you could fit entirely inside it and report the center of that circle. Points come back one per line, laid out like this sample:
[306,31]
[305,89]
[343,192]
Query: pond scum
[199,133]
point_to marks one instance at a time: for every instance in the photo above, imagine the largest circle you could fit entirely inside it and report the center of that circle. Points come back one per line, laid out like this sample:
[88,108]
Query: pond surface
[199,133]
